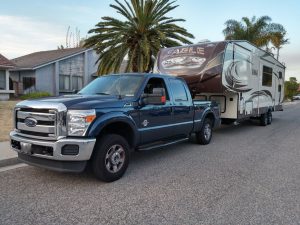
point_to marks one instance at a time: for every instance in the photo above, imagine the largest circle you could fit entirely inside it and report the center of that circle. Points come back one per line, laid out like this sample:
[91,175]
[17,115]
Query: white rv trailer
[245,80]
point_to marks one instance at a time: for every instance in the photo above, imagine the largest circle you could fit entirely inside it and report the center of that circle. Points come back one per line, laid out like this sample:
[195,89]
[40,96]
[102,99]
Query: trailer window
[279,88]
[267,76]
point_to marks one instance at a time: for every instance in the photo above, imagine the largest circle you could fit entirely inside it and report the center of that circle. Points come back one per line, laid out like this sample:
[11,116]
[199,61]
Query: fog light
[70,150]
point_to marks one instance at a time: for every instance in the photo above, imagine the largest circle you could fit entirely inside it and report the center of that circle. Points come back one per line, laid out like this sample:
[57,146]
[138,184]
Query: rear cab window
[178,90]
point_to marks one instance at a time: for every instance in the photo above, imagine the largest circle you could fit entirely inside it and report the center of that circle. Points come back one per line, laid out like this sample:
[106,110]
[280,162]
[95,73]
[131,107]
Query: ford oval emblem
[30,122]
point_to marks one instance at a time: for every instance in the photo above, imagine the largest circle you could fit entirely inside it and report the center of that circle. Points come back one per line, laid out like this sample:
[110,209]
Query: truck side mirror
[157,98]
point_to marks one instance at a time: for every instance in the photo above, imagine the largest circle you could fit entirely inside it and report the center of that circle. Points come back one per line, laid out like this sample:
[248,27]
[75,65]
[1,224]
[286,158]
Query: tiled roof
[4,62]
[40,58]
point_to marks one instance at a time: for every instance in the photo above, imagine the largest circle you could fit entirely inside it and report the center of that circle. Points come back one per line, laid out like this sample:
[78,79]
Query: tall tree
[253,30]
[277,37]
[291,87]
[145,29]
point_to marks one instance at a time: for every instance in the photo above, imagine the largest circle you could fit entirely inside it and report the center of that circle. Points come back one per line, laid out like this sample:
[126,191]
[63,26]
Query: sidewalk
[7,156]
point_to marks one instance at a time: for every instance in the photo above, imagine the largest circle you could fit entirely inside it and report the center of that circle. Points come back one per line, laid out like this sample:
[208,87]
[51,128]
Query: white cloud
[23,35]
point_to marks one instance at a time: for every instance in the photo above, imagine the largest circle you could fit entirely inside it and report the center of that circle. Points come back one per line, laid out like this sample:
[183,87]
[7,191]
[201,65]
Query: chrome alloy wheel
[115,158]
[207,131]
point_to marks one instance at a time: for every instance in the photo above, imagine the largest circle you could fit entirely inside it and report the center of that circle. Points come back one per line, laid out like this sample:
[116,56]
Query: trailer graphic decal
[183,62]
[264,93]
[233,79]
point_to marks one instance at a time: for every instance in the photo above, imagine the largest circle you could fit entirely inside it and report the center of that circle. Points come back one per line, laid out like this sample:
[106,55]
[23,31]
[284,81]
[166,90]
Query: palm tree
[139,37]
[277,37]
[253,30]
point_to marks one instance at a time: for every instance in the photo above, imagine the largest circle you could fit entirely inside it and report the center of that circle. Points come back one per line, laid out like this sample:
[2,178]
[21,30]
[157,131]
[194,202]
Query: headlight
[79,121]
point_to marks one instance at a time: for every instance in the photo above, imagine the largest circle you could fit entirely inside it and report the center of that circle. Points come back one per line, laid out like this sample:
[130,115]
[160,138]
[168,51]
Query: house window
[280,75]
[64,82]
[28,82]
[71,72]
[279,88]
[76,83]
[2,80]
[267,76]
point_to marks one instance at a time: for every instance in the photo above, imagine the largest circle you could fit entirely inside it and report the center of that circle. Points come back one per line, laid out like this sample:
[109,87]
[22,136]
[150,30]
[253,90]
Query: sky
[28,26]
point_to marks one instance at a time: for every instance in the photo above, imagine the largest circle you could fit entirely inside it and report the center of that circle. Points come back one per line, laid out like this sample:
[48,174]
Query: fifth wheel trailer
[245,80]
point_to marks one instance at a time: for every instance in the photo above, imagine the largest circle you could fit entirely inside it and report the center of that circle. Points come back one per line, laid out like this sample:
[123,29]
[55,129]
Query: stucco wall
[45,79]
[91,64]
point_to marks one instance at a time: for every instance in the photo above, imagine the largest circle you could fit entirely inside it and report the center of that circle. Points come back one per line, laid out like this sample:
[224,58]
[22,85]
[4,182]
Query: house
[57,71]
[5,84]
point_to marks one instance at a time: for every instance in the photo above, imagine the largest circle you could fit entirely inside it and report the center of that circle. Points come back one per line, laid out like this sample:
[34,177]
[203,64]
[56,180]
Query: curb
[9,162]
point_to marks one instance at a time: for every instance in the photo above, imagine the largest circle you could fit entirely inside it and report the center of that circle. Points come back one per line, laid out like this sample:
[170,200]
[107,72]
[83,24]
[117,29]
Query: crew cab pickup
[106,120]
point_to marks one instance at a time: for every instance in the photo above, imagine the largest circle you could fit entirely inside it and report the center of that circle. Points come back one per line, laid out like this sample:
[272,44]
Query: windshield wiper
[101,93]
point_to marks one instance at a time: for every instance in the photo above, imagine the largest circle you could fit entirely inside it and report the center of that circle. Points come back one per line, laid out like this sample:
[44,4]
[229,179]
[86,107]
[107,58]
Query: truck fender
[110,118]
[207,113]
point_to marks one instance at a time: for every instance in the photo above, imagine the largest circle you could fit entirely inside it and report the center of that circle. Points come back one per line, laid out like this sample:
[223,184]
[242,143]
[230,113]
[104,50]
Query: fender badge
[145,123]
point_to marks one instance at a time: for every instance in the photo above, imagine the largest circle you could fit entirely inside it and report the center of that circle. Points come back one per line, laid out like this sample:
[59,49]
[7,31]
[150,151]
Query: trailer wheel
[111,157]
[204,136]
[264,119]
[270,117]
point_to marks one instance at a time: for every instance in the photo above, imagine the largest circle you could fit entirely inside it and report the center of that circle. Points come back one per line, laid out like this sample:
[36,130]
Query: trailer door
[244,80]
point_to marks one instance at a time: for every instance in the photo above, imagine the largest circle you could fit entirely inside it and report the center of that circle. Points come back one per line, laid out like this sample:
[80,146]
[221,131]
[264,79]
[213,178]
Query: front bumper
[49,154]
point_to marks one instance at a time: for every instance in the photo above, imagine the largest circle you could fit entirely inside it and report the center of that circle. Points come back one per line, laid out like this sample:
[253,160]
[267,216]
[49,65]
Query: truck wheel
[111,158]
[269,117]
[264,119]
[203,137]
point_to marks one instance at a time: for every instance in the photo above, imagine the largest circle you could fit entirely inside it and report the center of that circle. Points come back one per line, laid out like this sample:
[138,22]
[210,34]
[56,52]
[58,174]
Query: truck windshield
[124,85]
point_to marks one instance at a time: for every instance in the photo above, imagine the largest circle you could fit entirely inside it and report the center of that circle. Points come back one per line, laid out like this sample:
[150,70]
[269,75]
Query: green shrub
[34,95]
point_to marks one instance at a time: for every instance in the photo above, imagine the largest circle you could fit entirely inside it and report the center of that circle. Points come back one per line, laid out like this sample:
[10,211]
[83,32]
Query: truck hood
[79,101]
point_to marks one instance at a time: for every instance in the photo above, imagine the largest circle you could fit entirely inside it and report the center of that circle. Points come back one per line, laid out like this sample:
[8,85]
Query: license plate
[25,148]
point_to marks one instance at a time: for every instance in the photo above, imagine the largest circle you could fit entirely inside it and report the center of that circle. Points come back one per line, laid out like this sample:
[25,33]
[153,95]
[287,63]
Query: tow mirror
[157,98]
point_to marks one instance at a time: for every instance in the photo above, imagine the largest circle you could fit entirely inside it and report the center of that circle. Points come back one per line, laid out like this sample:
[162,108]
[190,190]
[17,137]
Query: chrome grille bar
[37,116]
[37,128]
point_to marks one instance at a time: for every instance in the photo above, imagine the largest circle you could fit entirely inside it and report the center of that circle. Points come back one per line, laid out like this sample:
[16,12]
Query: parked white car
[296,97]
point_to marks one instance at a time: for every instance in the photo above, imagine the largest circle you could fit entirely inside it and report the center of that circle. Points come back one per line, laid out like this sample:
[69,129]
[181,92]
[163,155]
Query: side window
[279,88]
[267,76]
[178,90]
[156,83]
[280,75]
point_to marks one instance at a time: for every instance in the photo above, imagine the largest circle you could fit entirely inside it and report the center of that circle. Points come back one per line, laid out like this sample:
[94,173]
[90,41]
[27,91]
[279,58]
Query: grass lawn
[6,118]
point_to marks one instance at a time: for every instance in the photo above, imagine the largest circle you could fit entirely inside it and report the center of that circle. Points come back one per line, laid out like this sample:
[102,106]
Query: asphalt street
[248,175]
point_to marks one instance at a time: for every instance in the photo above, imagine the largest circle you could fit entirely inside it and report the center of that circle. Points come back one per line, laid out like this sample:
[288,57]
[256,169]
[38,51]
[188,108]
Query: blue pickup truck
[106,120]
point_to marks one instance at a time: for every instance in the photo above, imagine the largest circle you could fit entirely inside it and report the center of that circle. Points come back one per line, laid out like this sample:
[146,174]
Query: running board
[146,148]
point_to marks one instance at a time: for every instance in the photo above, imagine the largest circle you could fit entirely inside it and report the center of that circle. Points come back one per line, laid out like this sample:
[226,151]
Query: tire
[264,119]
[204,136]
[111,158]
[270,118]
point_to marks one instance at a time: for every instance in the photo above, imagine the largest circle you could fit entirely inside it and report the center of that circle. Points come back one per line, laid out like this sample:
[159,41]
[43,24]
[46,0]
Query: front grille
[44,126]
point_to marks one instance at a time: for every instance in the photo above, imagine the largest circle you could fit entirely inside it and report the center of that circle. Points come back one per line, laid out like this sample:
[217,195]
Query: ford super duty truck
[106,120]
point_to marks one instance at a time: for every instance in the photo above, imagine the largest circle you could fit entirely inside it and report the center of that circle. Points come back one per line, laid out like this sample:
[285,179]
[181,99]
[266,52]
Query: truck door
[183,108]
[155,120]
